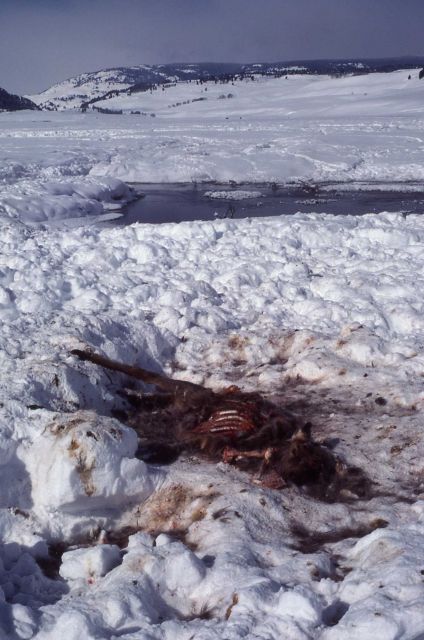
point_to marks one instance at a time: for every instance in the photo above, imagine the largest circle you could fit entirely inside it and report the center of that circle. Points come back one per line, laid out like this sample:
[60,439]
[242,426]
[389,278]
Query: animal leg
[188,390]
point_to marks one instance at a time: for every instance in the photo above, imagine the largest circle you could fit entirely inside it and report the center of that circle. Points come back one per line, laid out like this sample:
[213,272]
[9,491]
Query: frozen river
[159,203]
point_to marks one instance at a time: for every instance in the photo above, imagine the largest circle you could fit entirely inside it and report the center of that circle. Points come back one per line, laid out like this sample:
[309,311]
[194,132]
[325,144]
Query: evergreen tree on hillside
[10,102]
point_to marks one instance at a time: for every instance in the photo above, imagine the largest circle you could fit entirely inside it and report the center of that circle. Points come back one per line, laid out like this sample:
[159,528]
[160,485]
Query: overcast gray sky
[46,41]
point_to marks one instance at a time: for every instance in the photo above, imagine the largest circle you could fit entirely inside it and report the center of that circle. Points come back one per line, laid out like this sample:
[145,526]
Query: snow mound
[63,201]
[90,564]
[88,465]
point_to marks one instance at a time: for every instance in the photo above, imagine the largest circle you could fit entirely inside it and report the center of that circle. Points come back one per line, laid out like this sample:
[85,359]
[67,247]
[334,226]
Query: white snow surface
[323,313]
[238,194]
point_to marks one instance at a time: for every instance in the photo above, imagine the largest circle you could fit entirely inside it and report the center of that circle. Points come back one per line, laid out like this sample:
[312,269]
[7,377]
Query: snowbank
[65,201]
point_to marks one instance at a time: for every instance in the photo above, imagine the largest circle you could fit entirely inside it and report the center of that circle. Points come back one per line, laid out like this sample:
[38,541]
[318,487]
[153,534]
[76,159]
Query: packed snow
[322,314]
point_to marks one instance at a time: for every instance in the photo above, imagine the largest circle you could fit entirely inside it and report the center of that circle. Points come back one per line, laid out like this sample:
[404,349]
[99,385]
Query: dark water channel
[183,202]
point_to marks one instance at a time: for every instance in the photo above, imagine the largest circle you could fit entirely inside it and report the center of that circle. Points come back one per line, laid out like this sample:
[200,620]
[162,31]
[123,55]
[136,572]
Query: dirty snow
[322,314]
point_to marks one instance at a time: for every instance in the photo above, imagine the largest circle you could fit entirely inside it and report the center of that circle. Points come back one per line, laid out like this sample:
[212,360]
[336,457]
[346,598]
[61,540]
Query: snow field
[220,300]
[321,313]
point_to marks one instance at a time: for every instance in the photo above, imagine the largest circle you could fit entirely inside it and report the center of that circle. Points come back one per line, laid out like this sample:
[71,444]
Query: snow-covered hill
[75,92]
[294,96]
[72,93]
[88,87]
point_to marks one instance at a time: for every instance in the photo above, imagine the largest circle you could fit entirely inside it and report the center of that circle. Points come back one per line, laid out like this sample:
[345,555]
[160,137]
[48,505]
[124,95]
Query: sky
[45,41]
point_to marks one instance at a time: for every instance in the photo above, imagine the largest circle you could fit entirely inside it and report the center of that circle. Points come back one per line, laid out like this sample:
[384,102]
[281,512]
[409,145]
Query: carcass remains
[239,428]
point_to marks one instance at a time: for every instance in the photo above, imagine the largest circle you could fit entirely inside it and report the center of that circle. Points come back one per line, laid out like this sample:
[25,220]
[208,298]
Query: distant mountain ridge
[85,89]
[11,102]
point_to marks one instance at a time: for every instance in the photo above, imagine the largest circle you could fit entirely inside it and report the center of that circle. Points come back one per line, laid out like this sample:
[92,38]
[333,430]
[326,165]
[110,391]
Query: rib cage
[232,419]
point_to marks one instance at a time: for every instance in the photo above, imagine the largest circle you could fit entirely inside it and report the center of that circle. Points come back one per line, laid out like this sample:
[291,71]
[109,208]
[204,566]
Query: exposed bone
[261,454]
